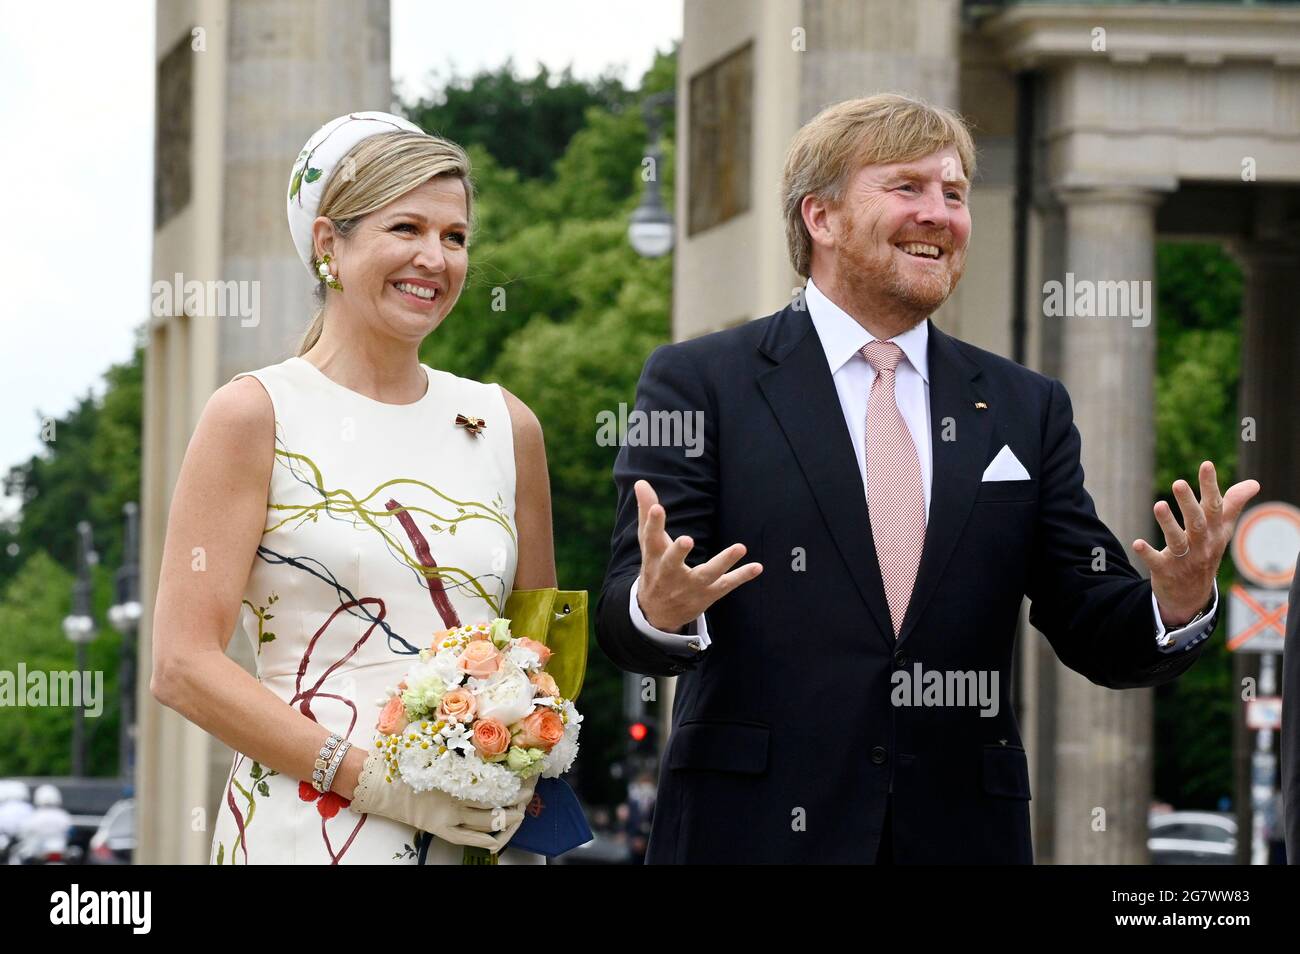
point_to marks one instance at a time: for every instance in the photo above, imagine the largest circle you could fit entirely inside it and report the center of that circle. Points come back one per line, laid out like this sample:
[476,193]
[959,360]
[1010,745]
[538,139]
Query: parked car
[114,842]
[1192,838]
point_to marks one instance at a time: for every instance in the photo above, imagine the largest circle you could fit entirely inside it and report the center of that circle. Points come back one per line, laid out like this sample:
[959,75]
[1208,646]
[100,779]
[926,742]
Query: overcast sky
[76,103]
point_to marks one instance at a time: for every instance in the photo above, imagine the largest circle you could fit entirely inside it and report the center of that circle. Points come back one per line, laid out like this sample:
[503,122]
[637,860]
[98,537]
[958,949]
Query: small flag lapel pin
[981,406]
[474,425]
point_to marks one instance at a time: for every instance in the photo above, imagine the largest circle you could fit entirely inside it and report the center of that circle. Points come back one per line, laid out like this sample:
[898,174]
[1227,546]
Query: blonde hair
[844,137]
[382,168]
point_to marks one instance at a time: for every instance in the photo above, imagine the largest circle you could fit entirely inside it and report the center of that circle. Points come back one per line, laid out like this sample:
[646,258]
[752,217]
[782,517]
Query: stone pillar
[293,65]
[860,47]
[1104,737]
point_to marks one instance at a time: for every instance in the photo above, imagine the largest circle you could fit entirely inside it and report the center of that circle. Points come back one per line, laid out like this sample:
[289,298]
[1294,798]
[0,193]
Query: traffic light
[643,738]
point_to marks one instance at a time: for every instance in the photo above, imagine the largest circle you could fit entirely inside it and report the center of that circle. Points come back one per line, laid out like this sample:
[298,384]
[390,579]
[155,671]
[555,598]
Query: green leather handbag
[558,620]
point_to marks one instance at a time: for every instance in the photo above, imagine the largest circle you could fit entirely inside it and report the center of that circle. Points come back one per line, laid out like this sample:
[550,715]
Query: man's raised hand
[1182,574]
[670,593]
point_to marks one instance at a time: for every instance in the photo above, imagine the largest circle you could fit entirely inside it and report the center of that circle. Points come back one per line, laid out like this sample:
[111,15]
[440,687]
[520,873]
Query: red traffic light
[637,731]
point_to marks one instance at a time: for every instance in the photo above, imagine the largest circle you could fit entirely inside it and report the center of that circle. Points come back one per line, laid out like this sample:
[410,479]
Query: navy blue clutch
[553,822]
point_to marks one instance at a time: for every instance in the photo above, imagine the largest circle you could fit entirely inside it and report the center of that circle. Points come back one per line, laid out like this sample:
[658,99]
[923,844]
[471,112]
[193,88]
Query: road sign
[1266,543]
[1256,619]
[1264,713]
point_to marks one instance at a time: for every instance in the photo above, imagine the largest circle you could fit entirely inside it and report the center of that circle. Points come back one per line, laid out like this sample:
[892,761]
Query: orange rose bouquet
[477,715]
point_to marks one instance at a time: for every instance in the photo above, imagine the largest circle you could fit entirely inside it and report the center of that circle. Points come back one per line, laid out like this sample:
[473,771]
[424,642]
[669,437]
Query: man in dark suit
[1291,723]
[902,491]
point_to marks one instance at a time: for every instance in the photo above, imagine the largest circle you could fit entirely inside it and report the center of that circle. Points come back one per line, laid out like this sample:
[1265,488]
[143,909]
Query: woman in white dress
[344,505]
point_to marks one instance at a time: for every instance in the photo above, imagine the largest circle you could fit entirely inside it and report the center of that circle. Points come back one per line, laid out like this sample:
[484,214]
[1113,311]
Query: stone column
[860,47]
[292,66]
[1104,737]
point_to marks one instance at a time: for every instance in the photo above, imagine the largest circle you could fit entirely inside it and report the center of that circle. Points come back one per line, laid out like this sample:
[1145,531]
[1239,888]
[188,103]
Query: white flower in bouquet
[443,664]
[524,657]
[561,757]
[506,696]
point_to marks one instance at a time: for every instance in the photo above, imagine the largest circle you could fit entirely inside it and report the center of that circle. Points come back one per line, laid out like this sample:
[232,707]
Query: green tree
[38,739]
[88,468]
[1198,374]
[524,123]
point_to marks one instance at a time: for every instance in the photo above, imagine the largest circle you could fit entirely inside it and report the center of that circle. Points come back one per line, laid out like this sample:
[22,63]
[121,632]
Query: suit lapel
[802,395]
[959,441]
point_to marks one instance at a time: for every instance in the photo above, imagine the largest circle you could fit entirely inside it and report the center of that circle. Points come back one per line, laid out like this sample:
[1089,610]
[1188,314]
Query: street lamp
[79,627]
[650,229]
[124,615]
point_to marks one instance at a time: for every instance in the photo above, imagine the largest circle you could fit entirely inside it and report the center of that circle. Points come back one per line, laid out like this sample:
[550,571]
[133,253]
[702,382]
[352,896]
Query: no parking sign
[1264,549]
[1265,545]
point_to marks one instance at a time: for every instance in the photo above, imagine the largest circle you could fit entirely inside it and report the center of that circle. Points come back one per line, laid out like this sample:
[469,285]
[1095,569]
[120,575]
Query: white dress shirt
[843,339]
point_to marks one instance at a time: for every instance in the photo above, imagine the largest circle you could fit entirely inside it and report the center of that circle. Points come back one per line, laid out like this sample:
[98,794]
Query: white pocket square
[1005,467]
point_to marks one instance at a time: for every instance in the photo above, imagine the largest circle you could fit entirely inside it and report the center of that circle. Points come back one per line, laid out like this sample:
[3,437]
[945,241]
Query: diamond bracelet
[323,761]
[334,765]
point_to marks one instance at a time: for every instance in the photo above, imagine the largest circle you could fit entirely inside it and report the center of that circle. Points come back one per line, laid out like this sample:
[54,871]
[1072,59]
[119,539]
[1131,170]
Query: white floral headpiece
[316,163]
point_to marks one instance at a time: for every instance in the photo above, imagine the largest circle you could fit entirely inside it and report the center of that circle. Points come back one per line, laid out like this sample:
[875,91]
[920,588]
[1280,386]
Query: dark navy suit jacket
[784,739]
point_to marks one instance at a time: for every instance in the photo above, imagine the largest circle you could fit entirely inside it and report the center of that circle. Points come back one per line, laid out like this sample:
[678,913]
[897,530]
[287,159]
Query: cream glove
[440,814]
[510,817]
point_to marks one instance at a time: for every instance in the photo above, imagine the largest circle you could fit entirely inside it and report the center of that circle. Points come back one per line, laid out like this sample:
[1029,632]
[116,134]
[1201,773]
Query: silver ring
[1185,552]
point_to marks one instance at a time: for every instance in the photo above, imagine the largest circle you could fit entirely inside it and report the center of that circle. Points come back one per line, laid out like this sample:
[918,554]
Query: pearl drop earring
[323,269]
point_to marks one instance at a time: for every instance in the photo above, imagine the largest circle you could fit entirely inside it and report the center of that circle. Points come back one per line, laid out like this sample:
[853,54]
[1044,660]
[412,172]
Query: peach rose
[542,652]
[545,684]
[480,658]
[541,730]
[393,718]
[458,705]
[491,737]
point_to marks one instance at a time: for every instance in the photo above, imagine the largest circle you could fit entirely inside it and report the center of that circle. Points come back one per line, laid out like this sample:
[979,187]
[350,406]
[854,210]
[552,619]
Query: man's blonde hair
[844,137]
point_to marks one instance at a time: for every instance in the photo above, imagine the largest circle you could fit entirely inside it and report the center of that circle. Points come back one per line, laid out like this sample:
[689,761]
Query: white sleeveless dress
[385,523]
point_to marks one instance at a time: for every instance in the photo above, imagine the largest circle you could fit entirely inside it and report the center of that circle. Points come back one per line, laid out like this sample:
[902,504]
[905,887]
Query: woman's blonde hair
[844,137]
[375,172]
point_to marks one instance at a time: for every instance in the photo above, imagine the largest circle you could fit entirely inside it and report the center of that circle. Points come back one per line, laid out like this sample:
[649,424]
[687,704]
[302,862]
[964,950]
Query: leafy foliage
[1198,372]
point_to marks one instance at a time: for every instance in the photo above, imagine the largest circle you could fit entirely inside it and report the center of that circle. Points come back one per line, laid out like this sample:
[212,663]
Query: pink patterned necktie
[895,496]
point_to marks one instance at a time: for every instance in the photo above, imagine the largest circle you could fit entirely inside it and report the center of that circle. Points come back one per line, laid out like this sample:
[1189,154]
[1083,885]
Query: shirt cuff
[695,639]
[1188,636]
